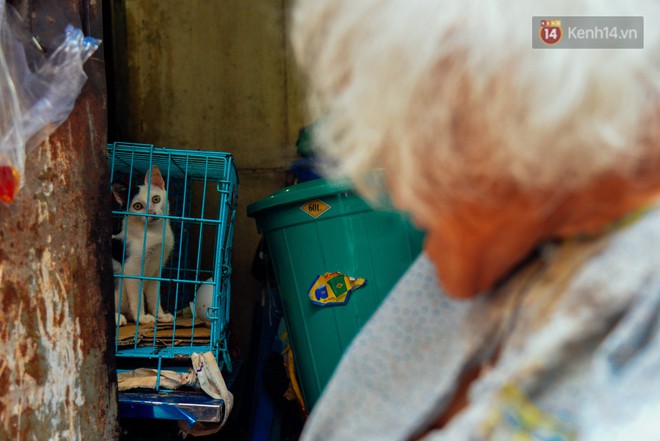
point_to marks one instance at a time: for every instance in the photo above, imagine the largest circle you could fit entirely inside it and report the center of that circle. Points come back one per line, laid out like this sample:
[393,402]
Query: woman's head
[451,100]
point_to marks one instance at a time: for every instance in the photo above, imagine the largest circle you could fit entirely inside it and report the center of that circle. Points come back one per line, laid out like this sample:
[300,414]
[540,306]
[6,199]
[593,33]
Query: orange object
[10,180]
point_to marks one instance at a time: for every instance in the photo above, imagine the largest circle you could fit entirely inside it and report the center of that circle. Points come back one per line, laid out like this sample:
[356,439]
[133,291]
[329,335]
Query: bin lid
[300,192]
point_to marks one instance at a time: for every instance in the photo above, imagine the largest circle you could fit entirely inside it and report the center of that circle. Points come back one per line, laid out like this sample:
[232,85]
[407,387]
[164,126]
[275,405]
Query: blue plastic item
[202,190]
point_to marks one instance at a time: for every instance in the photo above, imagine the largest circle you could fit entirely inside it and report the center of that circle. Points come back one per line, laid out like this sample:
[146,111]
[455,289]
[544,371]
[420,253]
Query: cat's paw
[147,319]
[165,318]
[122,320]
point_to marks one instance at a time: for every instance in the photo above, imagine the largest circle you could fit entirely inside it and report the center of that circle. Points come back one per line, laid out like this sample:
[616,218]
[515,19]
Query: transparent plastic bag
[37,93]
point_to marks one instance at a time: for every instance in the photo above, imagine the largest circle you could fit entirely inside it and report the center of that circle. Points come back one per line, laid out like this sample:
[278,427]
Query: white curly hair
[449,96]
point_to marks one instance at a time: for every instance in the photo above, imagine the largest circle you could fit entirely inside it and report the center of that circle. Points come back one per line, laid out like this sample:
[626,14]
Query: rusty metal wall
[56,365]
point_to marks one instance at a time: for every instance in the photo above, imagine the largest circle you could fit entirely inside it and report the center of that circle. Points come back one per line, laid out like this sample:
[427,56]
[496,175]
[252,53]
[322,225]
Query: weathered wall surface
[213,75]
[54,376]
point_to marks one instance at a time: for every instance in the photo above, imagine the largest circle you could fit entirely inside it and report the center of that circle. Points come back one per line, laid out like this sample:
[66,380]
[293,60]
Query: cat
[129,246]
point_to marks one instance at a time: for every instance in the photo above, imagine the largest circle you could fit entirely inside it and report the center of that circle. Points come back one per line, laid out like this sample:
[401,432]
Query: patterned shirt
[577,337]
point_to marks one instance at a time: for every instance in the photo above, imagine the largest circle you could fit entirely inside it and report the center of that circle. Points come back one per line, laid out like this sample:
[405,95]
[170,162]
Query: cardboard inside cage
[166,334]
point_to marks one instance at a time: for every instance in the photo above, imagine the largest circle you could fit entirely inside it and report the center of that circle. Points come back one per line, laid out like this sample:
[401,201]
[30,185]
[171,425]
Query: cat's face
[153,189]
[156,204]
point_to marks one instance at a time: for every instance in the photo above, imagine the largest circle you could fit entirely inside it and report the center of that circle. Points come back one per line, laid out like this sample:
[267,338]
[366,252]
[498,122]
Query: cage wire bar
[196,181]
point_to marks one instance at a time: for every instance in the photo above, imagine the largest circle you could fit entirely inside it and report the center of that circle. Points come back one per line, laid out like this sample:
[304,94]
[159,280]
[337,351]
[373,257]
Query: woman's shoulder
[627,259]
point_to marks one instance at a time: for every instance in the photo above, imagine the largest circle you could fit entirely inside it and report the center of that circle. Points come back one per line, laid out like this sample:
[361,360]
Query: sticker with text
[315,207]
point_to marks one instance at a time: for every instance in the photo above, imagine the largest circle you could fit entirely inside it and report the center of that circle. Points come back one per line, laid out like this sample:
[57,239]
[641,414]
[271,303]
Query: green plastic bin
[321,227]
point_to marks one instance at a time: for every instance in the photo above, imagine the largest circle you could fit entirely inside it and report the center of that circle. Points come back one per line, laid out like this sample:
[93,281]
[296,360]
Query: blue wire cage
[202,189]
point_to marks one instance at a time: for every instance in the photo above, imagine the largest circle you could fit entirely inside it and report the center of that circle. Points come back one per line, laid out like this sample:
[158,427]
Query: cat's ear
[120,192]
[156,178]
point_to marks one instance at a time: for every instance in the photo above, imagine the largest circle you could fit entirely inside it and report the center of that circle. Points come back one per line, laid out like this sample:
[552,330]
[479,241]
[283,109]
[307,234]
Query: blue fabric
[264,410]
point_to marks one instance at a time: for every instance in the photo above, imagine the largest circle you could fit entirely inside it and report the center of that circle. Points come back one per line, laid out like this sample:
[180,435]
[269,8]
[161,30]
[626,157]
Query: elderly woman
[534,313]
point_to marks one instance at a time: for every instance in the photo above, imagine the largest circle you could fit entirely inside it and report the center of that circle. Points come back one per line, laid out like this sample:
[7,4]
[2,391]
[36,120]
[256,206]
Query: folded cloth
[211,381]
[144,378]
[204,374]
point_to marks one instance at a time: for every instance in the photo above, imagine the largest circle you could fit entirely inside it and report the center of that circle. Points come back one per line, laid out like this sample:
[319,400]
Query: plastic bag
[37,93]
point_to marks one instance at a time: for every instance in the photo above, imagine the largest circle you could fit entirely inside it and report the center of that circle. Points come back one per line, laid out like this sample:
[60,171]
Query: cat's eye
[138,206]
[156,199]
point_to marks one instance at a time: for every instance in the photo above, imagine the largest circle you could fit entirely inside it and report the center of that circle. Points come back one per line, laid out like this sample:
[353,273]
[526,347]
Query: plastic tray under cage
[182,269]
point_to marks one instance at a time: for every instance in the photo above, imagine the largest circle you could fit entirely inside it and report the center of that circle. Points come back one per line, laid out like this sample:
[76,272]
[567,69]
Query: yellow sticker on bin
[331,289]
[315,207]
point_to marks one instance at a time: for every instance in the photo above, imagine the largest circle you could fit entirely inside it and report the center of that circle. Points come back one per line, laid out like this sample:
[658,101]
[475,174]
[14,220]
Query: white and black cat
[129,245]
